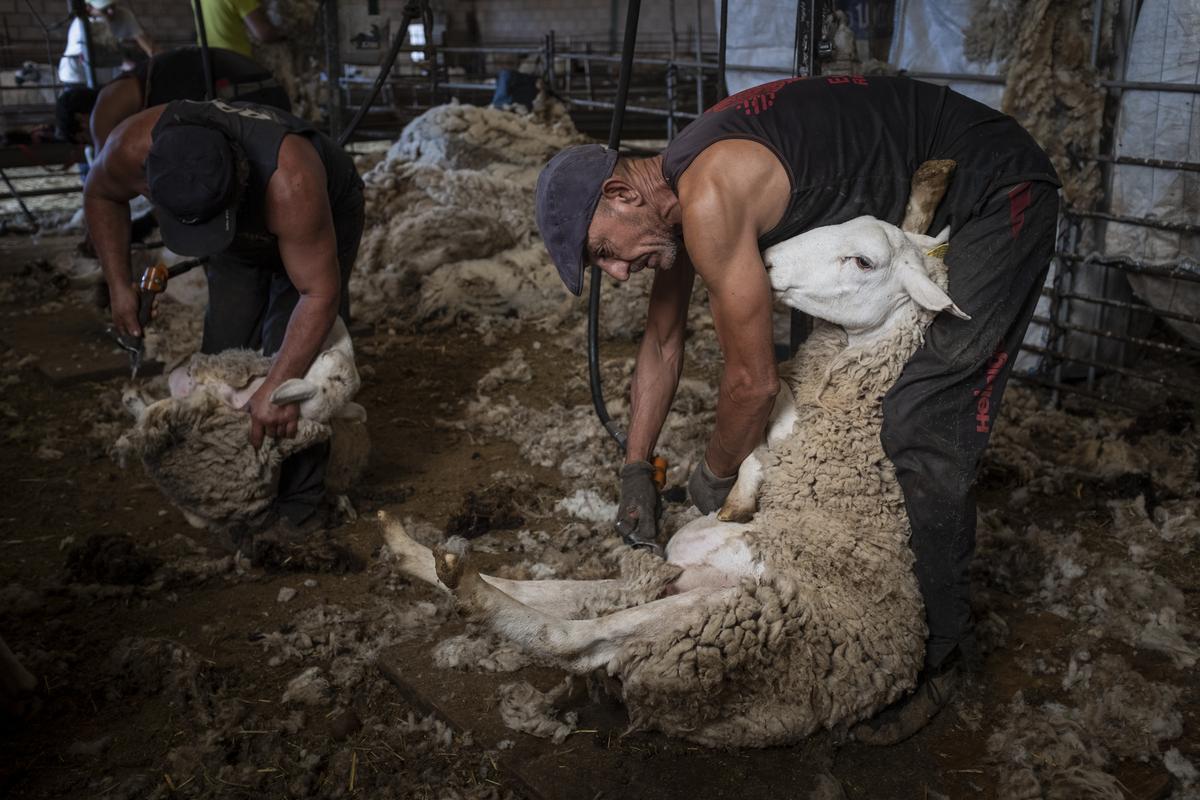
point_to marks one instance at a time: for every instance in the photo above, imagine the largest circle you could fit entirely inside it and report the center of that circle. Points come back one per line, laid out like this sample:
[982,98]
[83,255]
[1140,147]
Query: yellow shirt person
[229,23]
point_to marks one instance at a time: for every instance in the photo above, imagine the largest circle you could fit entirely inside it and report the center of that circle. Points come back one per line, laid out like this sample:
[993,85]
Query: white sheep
[810,616]
[195,444]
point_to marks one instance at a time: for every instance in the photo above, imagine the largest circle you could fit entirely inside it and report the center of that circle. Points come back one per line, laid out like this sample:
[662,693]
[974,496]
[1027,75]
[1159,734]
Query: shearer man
[179,75]
[277,207]
[762,166]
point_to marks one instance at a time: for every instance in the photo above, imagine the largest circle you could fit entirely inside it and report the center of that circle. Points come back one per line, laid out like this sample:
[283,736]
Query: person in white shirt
[120,25]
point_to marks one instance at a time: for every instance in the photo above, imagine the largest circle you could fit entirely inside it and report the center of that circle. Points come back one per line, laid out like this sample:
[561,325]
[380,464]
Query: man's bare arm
[298,214]
[733,192]
[741,308]
[660,357]
[148,45]
[117,177]
[116,102]
[261,27]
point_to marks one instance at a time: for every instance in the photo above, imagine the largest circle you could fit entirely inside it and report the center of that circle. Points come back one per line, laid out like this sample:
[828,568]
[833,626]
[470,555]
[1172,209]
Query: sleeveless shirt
[258,131]
[179,75]
[850,145]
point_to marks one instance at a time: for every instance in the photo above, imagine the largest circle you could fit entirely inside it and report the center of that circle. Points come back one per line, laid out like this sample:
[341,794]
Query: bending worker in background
[769,163]
[230,23]
[278,208]
[179,75]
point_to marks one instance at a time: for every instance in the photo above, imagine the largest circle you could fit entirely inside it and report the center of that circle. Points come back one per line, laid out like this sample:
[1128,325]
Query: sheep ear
[351,411]
[295,390]
[928,294]
[926,243]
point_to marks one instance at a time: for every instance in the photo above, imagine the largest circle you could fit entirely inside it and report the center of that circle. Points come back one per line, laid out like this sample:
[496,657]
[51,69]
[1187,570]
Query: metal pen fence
[1102,339]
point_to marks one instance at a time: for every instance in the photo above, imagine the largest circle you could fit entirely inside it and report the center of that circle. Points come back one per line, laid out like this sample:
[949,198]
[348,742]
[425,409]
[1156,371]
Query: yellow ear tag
[939,251]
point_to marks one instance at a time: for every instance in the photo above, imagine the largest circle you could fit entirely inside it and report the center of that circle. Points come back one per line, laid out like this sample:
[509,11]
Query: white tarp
[1161,125]
[761,34]
[929,37]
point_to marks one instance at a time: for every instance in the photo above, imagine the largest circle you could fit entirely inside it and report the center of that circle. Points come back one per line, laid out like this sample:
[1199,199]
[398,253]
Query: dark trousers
[250,302]
[938,417]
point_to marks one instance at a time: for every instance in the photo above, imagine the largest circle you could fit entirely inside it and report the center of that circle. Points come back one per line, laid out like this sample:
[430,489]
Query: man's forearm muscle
[659,359]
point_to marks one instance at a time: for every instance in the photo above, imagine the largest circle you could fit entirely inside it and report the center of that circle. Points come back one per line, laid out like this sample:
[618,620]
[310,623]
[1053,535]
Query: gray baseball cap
[568,191]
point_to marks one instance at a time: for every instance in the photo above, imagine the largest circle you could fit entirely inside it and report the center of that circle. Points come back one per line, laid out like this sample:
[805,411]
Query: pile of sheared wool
[1050,80]
[297,61]
[457,136]
[1111,583]
[450,229]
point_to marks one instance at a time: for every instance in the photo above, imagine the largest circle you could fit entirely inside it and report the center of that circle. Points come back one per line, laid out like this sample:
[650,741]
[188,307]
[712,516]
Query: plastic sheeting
[1161,125]
[929,38]
[762,33]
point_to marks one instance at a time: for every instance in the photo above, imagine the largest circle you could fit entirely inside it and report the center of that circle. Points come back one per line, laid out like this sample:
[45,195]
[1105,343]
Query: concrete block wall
[522,20]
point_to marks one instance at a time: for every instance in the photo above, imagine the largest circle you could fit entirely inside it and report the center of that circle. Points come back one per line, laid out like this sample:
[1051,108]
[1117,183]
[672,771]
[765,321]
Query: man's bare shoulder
[296,194]
[299,172]
[121,165]
[739,177]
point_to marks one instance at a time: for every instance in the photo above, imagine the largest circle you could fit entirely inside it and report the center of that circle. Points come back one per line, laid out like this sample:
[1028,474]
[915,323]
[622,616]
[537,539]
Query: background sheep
[194,444]
[808,617]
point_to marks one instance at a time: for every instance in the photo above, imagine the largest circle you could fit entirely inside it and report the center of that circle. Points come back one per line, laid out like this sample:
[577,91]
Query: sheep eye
[862,263]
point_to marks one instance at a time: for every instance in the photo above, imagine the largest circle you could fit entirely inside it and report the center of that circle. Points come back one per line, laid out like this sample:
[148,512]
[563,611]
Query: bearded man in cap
[277,208]
[763,166]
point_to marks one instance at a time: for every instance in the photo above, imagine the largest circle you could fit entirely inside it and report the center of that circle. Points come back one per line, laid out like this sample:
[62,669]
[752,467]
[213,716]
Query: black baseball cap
[567,193]
[193,180]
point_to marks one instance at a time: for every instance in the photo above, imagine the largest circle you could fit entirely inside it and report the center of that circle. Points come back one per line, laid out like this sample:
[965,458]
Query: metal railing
[1102,341]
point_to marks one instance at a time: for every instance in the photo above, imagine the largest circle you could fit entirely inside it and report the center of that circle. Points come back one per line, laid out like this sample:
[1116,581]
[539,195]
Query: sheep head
[325,390]
[858,274]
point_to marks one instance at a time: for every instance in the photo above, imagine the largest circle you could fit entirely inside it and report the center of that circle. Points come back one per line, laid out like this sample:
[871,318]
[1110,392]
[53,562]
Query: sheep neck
[873,358]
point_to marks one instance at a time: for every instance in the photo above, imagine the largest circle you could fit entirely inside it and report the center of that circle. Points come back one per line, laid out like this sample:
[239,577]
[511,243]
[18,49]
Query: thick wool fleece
[834,629]
[234,367]
[198,452]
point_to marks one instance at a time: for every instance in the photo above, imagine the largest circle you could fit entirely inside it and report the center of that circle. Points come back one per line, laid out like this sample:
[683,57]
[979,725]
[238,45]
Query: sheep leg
[133,402]
[742,501]
[555,597]
[416,560]
[929,184]
[580,645]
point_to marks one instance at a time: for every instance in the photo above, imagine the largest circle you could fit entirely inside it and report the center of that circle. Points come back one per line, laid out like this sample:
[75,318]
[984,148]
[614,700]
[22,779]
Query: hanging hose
[722,88]
[614,142]
[205,53]
[413,9]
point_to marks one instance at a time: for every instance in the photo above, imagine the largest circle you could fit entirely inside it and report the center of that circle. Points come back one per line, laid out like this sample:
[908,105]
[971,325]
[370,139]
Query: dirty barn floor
[166,681]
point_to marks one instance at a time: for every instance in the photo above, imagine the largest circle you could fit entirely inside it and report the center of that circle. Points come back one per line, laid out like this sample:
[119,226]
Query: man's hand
[124,302]
[708,492]
[268,419]
[637,515]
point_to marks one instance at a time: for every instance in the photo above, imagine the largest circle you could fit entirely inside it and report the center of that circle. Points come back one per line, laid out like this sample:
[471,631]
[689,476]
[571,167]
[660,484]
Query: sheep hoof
[735,513]
[449,566]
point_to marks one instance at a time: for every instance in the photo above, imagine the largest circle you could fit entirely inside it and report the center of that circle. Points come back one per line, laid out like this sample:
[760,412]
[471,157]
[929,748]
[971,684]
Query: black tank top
[179,75]
[259,131]
[850,145]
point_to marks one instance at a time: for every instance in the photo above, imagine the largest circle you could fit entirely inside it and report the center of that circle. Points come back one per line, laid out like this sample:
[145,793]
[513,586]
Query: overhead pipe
[722,89]
[333,67]
[412,10]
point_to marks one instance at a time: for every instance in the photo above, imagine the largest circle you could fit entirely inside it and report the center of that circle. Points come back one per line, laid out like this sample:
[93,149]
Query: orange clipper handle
[154,279]
[660,472]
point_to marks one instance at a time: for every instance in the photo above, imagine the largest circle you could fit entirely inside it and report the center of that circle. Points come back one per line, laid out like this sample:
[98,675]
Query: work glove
[637,514]
[707,491]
